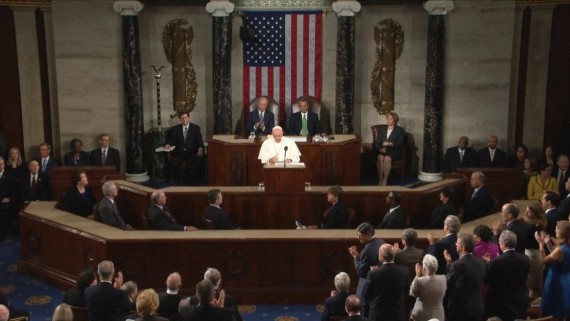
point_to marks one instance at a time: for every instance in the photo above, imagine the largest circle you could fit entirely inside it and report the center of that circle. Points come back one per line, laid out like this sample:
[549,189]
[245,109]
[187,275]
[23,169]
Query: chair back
[60,200]
[351,216]
[207,224]
[79,313]
[314,105]
[96,214]
[271,106]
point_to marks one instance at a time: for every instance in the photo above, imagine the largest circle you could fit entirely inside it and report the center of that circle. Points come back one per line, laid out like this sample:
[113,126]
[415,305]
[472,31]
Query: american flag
[284,61]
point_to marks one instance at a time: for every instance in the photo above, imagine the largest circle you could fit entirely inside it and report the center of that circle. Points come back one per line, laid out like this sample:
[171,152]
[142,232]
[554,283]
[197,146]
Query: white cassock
[270,149]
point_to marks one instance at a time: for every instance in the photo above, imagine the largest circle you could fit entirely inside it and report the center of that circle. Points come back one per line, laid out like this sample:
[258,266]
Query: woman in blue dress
[556,292]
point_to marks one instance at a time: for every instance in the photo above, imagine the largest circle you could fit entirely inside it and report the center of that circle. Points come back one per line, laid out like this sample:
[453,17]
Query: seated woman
[517,160]
[76,296]
[547,155]
[335,217]
[334,305]
[429,288]
[447,197]
[389,144]
[541,183]
[15,164]
[76,157]
[79,198]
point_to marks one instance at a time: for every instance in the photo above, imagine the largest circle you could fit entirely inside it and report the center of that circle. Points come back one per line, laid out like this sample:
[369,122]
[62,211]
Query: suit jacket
[168,304]
[8,187]
[69,159]
[268,120]
[552,216]
[113,158]
[394,220]
[387,291]
[398,137]
[440,213]
[185,148]
[43,190]
[51,163]
[429,291]
[356,318]
[564,208]
[110,214]
[452,159]
[158,220]
[446,243]
[206,312]
[105,303]
[464,282]
[151,318]
[75,297]
[484,158]
[218,217]
[335,217]
[520,228]
[334,306]
[508,294]
[368,257]
[561,187]
[296,124]
[74,202]
[408,257]
[478,206]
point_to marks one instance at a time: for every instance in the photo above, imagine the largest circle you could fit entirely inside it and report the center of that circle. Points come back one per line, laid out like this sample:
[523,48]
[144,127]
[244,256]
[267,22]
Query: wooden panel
[505,184]
[61,178]
[284,179]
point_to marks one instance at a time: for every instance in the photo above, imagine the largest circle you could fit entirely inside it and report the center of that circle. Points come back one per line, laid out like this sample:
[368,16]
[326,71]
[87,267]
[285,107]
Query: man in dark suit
[261,121]
[491,156]
[387,288]
[34,186]
[564,205]
[160,217]
[209,307]
[304,122]
[189,149]
[169,300]
[408,257]
[464,299]
[479,203]
[108,211]
[549,201]
[214,212]
[8,200]
[451,227]
[353,307]
[506,276]
[561,173]
[215,277]
[105,155]
[510,215]
[460,156]
[46,160]
[105,301]
[395,218]
[366,259]
[334,304]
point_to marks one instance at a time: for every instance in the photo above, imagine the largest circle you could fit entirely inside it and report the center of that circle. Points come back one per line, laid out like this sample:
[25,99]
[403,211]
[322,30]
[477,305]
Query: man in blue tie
[261,121]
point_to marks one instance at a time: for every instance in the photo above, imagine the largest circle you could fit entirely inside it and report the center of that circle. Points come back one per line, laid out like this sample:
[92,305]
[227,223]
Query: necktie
[104,157]
[561,177]
[461,153]
[492,154]
[34,191]
[44,164]
[474,194]
[168,215]
[261,116]
[304,126]
[185,132]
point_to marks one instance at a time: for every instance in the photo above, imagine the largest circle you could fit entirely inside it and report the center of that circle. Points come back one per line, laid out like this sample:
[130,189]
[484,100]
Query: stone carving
[389,37]
[177,36]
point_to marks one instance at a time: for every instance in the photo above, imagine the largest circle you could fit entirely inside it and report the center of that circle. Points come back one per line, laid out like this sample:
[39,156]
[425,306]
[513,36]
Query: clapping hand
[447,256]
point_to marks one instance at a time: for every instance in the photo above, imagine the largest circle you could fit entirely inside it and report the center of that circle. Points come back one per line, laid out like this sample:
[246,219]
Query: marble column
[132,89]
[433,109]
[222,49]
[344,99]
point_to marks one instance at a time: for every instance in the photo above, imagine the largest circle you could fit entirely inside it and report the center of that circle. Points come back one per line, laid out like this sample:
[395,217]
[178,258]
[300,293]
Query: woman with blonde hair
[536,220]
[389,143]
[147,304]
[15,164]
[62,313]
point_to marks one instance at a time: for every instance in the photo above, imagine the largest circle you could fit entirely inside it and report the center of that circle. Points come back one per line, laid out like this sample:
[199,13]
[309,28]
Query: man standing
[105,155]
[34,186]
[108,211]
[549,202]
[160,217]
[510,215]
[279,149]
[387,288]
[479,203]
[8,201]
[395,218]
[189,149]
[506,276]
[304,122]
[491,156]
[46,160]
[451,227]
[105,301]
[561,173]
[460,156]
[564,206]
[169,300]
[261,120]
[209,307]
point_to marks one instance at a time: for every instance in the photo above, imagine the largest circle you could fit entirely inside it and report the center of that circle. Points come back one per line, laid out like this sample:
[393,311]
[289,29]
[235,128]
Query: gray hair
[213,275]
[366,229]
[453,223]
[342,282]
[185,302]
[155,196]
[105,270]
[129,287]
[410,235]
[509,239]
[430,263]
[106,187]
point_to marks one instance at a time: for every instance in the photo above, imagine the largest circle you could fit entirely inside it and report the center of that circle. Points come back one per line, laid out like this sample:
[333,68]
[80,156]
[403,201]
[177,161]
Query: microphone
[285,156]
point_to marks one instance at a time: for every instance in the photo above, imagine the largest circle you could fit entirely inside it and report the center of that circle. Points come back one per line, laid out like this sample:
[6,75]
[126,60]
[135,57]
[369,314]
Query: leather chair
[207,224]
[401,166]
[350,218]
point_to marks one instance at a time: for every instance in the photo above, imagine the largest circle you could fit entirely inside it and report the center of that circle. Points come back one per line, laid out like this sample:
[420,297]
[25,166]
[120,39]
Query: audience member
[541,183]
[76,157]
[105,301]
[189,149]
[491,156]
[46,160]
[387,288]
[564,205]
[79,198]
[389,142]
[105,155]
[536,220]
[9,204]
[208,308]
[304,122]
[517,160]
[459,156]
[451,227]
[147,304]
[34,186]
[557,283]
[76,296]
[464,282]
[108,211]
[335,216]
[334,305]
[484,247]
[479,203]
[429,289]
[62,312]
[549,203]
[215,277]
[353,306]
[279,149]
[510,216]
[185,303]
[214,212]
[529,170]
[4,313]
[395,218]
[160,217]
[561,174]
[410,255]
[170,300]
[261,121]
[547,156]
[447,198]
[366,259]
[15,164]
[506,278]
[132,290]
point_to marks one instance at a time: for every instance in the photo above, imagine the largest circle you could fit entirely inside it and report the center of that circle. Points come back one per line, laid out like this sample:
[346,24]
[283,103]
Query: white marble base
[430,177]
[137,178]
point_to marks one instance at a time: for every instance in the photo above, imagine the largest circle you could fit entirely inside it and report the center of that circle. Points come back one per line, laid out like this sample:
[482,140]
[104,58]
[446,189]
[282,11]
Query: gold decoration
[177,36]
[38,300]
[389,38]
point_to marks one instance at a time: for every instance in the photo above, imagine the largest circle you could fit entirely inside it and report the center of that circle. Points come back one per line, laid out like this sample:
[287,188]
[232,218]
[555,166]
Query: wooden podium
[282,178]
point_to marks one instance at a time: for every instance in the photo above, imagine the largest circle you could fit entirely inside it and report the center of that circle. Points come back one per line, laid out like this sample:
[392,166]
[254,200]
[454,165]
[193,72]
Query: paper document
[162,149]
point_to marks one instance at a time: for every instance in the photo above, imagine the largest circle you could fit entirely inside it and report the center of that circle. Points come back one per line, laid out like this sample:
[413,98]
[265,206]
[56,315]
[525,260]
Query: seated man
[209,307]
[45,160]
[105,155]
[479,203]
[279,149]
[108,211]
[304,122]
[160,217]
[334,305]
[491,156]
[459,156]
[395,218]
[214,212]
[261,120]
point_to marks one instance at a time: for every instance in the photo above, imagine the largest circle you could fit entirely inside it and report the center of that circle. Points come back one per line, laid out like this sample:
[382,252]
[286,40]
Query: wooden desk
[233,162]
[61,178]
[283,179]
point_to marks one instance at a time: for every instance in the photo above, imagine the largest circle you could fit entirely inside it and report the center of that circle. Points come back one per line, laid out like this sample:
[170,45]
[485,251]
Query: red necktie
[168,215]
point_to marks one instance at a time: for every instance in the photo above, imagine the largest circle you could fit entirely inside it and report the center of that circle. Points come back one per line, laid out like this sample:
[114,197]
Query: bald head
[386,253]
[174,281]
[353,305]
[4,313]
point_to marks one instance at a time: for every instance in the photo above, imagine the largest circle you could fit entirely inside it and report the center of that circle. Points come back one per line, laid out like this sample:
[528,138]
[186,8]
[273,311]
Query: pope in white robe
[273,149]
